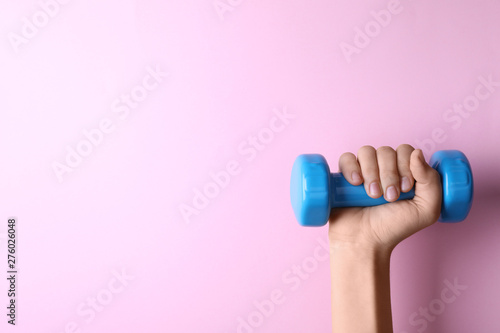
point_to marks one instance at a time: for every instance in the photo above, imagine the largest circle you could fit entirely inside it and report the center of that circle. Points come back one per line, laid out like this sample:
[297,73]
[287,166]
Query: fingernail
[405,184]
[355,177]
[391,193]
[374,189]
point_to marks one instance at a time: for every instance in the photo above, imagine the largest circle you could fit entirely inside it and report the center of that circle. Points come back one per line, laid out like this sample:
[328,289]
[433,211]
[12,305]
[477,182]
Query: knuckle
[370,172]
[405,146]
[385,150]
[366,149]
[347,156]
[404,168]
[389,175]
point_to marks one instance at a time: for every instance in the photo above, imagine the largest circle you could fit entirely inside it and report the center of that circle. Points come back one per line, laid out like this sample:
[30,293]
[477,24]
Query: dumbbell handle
[347,195]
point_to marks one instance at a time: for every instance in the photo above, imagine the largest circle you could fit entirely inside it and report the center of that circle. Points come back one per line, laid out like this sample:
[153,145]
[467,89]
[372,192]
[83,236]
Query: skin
[363,238]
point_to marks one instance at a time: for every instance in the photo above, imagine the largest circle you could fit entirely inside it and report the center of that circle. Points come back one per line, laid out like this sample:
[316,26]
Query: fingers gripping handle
[343,194]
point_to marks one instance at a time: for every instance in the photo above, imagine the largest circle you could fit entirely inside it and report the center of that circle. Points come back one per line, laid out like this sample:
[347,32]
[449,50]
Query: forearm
[361,299]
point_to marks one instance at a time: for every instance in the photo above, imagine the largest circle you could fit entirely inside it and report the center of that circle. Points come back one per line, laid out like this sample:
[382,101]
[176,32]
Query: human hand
[386,172]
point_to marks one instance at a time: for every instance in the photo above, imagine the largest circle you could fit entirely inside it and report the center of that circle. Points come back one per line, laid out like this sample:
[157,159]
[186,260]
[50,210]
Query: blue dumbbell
[314,191]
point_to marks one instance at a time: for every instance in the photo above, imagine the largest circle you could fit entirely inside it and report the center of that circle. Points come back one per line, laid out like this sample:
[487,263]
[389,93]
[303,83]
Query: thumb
[428,187]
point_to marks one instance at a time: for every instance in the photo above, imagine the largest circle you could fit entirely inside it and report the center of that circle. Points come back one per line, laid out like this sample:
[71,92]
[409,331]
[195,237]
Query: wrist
[360,251]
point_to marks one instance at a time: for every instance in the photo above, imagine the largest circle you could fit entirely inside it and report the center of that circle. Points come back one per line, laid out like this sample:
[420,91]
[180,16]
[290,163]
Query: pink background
[119,209]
